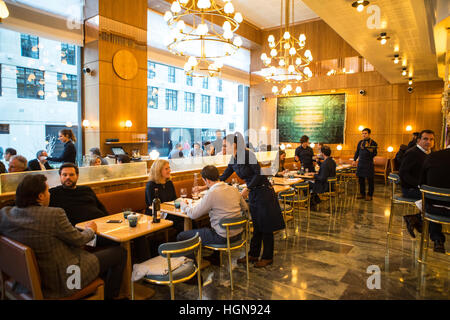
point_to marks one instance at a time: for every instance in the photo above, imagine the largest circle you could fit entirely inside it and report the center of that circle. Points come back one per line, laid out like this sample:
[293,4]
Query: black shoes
[439,247]
[409,225]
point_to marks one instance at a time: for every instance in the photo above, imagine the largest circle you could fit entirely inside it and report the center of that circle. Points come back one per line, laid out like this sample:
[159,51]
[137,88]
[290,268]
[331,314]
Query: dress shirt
[221,201]
[426,152]
[42,166]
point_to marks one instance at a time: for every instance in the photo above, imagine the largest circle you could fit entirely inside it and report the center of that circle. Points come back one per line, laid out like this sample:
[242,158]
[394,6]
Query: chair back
[180,248]
[233,224]
[394,177]
[299,187]
[20,265]
[331,181]
[433,193]
[286,193]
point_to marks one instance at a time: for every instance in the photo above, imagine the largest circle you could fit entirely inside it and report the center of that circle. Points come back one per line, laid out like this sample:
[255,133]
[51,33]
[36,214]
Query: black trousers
[265,239]
[362,185]
[112,263]
[435,229]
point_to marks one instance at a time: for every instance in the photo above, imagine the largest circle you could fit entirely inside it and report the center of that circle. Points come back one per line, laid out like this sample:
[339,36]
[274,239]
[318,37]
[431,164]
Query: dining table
[122,232]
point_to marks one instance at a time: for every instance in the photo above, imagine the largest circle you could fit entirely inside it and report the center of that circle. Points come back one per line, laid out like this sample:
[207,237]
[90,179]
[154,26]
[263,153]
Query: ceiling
[268,12]
[408,24]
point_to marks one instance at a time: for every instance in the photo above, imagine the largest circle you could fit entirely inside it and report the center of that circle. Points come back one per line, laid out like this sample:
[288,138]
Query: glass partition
[88,175]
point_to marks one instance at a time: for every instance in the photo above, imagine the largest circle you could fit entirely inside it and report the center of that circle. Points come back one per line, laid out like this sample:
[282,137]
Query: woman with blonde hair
[69,154]
[159,178]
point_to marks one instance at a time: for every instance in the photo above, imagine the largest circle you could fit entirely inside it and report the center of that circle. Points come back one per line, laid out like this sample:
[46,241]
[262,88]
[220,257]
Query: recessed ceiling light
[396,58]
[359,5]
[404,72]
[383,38]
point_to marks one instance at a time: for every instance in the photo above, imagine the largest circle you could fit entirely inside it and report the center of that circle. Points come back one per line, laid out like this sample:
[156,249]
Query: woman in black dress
[264,207]
[160,179]
[69,154]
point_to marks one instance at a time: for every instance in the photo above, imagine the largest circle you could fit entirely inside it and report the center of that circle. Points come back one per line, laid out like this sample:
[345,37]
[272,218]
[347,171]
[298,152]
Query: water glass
[126,212]
[183,193]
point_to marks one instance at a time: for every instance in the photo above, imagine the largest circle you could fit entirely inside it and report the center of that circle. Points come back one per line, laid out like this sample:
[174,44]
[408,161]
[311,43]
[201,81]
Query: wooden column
[116,89]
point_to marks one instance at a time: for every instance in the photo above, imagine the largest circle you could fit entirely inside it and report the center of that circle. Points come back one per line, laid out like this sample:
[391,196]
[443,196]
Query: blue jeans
[208,236]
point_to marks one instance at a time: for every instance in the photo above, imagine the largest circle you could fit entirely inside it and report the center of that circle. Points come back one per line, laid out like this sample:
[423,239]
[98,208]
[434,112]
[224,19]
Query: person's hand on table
[244,193]
[92,225]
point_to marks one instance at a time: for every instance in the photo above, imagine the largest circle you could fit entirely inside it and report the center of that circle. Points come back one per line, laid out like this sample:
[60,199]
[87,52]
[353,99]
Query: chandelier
[287,63]
[194,37]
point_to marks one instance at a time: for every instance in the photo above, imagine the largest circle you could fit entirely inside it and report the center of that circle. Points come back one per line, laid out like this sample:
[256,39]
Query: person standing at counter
[366,151]
[69,154]
[264,207]
[304,153]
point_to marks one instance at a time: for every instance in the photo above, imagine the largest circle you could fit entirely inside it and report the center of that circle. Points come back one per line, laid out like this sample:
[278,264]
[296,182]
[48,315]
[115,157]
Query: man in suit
[409,173]
[436,173]
[57,244]
[365,151]
[40,163]
[320,184]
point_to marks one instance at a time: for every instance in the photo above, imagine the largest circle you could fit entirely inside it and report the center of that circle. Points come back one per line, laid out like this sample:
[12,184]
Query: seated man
[320,184]
[409,173]
[81,204]
[40,163]
[436,173]
[9,153]
[57,244]
[221,201]
[18,164]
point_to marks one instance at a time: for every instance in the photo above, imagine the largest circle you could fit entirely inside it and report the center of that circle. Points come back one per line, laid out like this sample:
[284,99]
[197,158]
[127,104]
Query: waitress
[365,151]
[69,154]
[264,207]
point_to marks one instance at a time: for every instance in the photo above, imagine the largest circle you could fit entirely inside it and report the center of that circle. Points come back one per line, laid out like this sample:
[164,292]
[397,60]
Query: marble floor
[327,257]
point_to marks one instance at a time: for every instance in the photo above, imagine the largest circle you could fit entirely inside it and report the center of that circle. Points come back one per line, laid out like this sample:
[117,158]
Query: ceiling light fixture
[404,72]
[396,58]
[204,36]
[288,60]
[4,12]
[383,38]
[359,5]
[410,82]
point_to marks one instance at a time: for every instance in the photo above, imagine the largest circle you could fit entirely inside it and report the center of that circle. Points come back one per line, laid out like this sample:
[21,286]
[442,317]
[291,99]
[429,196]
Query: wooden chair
[21,266]
[287,205]
[381,167]
[186,271]
[301,200]
[232,223]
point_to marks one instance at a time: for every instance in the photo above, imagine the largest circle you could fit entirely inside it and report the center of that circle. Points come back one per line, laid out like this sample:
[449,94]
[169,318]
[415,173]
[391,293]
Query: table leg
[187,224]
[126,289]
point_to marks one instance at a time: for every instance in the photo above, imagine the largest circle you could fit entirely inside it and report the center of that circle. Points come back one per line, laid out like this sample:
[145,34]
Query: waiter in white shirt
[221,201]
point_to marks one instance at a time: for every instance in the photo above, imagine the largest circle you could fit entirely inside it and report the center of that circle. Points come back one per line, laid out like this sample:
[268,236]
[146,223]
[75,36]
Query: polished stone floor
[327,257]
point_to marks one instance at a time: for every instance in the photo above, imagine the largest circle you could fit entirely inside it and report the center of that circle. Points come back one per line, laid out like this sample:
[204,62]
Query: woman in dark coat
[69,154]
[263,203]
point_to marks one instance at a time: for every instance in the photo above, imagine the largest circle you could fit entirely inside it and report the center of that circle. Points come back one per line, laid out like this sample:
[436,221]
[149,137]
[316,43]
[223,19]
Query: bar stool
[394,180]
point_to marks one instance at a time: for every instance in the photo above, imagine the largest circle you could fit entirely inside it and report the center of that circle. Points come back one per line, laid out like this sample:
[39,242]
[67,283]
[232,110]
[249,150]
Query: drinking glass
[195,195]
[183,193]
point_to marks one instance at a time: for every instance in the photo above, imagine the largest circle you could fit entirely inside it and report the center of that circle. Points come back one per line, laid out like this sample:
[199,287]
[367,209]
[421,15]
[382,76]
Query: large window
[172,75]
[189,81]
[152,97]
[205,83]
[171,99]
[151,70]
[67,87]
[30,83]
[189,101]
[206,104]
[38,90]
[219,105]
[68,54]
[29,46]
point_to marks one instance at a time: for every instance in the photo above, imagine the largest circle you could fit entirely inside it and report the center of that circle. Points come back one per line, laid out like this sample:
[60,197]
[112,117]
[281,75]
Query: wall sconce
[408,128]
[69,124]
[128,124]
[339,147]
[282,147]
[390,149]
[361,128]
[312,145]
[263,128]
[86,123]
[289,145]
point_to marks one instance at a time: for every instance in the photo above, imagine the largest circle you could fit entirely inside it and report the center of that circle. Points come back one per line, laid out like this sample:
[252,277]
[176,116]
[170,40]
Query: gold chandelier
[287,63]
[203,44]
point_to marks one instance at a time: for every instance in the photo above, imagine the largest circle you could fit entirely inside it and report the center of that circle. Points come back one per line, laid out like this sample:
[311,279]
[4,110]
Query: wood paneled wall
[386,108]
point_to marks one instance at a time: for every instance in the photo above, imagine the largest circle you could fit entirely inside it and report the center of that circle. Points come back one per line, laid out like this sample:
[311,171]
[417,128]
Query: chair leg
[199,280]
[172,293]
[231,269]
[246,258]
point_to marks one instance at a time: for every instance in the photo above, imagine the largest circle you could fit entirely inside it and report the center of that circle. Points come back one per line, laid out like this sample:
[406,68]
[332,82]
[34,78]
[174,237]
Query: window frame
[26,86]
[171,99]
[151,74]
[150,97]
[28,52]
[205,81]
[171,75]
[70,51]
[206,104]
[70,84]
[189,103]
[221,104]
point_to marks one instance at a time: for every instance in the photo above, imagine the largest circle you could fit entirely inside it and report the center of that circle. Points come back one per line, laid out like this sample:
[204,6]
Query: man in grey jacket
[57,244]
[221,201]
